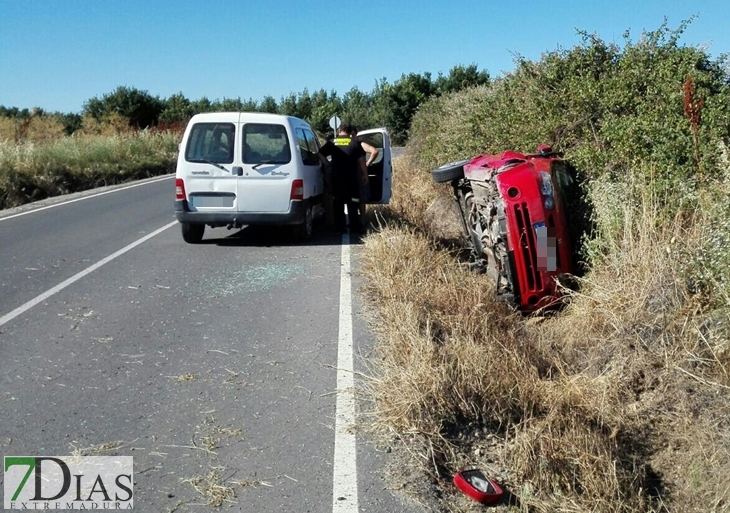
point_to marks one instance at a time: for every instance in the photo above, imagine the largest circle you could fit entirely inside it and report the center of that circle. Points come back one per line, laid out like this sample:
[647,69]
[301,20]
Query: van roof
[247,117]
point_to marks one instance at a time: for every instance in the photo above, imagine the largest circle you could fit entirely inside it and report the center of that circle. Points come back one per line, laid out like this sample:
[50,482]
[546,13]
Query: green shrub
[608,108]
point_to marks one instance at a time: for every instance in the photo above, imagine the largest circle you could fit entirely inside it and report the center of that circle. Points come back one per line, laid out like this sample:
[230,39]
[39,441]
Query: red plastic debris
[478,486]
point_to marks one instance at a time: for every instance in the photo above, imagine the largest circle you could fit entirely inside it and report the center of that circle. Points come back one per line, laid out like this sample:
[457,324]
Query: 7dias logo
[68,482]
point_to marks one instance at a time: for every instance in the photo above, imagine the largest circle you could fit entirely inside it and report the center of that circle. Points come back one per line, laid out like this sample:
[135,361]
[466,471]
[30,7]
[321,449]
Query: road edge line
[124,188]
[344,468]
[76,277]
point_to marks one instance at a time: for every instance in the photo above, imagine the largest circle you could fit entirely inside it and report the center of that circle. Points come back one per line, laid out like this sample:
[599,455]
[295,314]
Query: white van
[247,168]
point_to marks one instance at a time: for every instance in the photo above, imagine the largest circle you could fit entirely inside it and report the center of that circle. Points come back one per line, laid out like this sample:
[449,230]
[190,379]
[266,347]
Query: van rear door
[380,171]
[209,155]
[268,168]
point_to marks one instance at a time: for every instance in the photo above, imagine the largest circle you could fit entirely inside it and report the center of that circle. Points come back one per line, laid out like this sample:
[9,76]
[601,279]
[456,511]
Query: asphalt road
[213,361]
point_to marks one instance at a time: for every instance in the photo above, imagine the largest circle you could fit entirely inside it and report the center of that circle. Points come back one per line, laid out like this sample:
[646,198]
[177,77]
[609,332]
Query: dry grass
[212,488]
[183,378]
[411,196]
[616,404]
[35,128]
[32,170]
[96,450]
[216,490]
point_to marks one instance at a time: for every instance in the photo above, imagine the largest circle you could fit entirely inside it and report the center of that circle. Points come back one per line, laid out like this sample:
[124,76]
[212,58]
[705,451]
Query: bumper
[295,215]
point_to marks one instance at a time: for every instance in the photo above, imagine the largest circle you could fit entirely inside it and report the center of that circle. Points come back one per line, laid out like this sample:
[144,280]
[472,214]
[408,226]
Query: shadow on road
[270,236]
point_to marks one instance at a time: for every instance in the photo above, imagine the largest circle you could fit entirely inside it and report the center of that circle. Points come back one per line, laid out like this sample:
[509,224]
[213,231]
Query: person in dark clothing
[371,154]
[348,159]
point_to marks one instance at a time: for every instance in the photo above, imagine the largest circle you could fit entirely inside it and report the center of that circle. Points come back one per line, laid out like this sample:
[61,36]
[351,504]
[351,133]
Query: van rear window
[211,142]
[265,143]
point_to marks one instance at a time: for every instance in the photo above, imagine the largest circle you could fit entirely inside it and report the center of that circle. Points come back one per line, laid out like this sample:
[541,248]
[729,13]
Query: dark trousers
[352,213]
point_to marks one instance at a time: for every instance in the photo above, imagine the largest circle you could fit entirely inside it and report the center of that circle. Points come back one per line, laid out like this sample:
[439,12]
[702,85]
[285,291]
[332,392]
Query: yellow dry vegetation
[618,403]
[32,129]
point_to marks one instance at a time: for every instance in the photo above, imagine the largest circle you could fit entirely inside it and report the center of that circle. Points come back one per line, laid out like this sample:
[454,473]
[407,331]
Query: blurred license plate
[211,201]
[546,248]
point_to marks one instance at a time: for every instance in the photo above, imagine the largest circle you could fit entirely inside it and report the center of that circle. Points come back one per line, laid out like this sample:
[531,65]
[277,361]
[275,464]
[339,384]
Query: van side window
[265,143]
[211,142]
[308,155]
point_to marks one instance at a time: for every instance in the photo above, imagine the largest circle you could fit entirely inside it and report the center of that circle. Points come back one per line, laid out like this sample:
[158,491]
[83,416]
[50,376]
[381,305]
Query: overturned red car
[513,212]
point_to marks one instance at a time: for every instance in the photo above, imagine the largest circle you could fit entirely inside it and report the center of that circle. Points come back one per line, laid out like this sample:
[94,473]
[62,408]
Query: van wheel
[192,233]
[304,231]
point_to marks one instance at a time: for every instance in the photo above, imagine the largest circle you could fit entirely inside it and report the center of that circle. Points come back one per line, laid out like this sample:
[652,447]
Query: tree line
[388,104]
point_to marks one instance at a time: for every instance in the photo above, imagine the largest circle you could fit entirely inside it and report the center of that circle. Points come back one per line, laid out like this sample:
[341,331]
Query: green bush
[608,108]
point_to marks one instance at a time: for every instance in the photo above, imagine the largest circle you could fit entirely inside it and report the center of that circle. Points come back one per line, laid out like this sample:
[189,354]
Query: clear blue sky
[56,54]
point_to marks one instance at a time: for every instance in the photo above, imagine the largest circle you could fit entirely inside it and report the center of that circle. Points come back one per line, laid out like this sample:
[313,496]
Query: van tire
[192,233]
[303,232]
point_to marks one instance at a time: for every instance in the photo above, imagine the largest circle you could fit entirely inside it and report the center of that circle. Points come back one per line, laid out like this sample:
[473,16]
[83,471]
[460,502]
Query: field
[46,163]
[617,403]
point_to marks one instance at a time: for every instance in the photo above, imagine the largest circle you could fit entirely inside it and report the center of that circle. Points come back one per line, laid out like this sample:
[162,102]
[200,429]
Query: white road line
[76,277]
[83,198]
[344,472]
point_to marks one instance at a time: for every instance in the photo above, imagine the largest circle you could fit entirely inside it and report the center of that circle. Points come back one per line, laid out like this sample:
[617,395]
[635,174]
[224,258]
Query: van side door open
[380,171]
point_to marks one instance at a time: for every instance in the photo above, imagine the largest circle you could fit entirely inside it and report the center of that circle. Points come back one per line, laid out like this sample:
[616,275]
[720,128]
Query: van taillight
[179,189]
[297,189]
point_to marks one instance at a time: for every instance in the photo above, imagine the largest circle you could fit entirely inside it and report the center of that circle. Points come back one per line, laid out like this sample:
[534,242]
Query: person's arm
[326,149]
[371,150]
